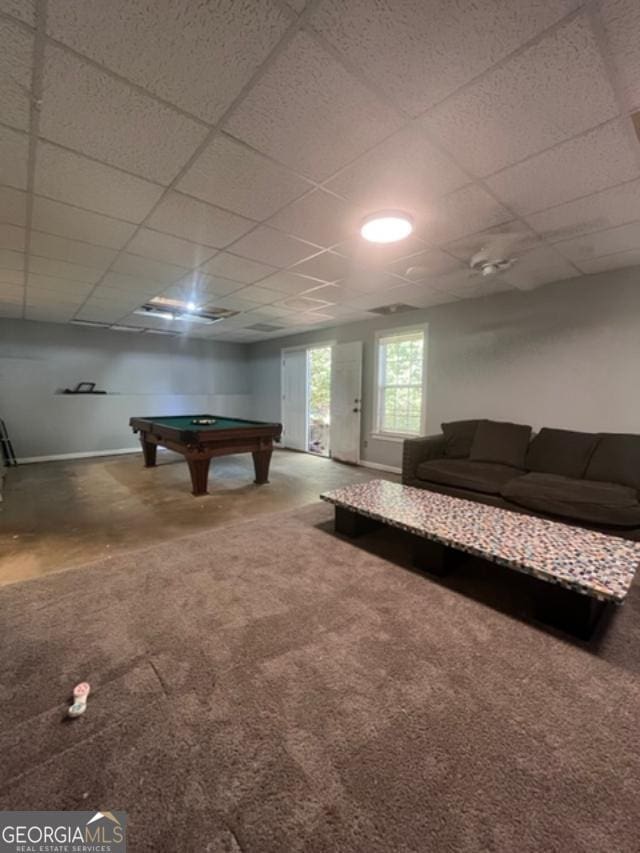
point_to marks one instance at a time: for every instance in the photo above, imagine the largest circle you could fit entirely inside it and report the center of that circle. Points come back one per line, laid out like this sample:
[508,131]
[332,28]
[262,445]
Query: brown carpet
[271,688]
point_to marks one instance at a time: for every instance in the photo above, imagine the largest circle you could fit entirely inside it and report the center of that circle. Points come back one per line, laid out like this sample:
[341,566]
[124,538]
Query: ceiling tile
[376,255]
[606,209]
[586,164]
[62,269]
[464,212]
[130,284]
[269,312]
[10,260]
[405,172]
[287,282]
[368,301]
[424,265]
[529,103]
[272,247]
[87,110]
[420,295]
[346,313]
[616,261]
[326,119]
[368,280]
[327,266]
[14,149]
[54,313]
[13,206]
[23,9]
[210,283]
[100,313]
[538,267]
[16,48]
[113,299]
[624,238]
[65,300]
[73,251]
[236,303]
[477,287]
[184,216]
[303,303]
[235,177]
[257,293]
[236,268]
[419,52]
[622,24]
[172,250]
[69,177]
[71,289]
[320,217]
[195,55]
[503,241]
[148,268]
[12,237]
[63,220]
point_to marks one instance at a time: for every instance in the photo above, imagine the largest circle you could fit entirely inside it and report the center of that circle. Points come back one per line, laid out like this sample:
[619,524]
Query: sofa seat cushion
[582,500]
[484,477]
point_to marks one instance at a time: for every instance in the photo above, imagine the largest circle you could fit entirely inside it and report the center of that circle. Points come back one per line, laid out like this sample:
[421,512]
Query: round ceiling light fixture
[388,226]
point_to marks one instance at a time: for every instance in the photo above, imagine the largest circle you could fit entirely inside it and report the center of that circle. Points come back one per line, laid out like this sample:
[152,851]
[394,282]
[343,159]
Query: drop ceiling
[226,153]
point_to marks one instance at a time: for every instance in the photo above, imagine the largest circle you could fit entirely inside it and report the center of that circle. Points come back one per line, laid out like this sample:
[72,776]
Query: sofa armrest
[417,450]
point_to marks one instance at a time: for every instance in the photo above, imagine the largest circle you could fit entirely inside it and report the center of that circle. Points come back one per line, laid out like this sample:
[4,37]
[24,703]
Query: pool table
[200,443]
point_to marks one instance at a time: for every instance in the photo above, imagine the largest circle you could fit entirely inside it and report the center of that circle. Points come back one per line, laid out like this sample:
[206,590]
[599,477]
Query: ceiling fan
[489,258]
[495,255]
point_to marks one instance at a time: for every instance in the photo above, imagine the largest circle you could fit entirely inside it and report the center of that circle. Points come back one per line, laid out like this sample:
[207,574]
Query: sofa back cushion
[500,442]
[458,438]
[560,451]
[616,459]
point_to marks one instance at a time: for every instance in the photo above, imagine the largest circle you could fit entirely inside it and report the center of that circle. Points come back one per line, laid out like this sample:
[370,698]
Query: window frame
[380,335]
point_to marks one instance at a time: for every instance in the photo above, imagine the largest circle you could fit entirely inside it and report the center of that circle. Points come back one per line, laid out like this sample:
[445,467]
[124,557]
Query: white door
[294,399]
[346,401]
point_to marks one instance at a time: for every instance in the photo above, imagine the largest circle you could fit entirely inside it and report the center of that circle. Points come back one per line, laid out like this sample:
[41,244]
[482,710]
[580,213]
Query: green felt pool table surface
[185,422]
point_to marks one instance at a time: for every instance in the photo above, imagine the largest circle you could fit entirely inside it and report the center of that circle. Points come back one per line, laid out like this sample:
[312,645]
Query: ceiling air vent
[264,327]
[394,308]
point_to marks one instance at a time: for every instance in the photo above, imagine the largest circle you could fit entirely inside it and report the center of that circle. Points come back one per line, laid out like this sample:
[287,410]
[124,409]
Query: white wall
[565,355]
[144,375]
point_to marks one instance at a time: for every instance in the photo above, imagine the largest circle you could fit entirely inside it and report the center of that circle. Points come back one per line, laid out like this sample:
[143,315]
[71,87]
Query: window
[400,382]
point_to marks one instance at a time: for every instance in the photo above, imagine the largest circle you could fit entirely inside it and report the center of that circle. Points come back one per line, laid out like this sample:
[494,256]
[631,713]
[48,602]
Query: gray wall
[145,375]
[565,355]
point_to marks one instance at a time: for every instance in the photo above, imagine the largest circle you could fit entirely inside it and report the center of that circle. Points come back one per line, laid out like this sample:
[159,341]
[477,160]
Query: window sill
[389,436]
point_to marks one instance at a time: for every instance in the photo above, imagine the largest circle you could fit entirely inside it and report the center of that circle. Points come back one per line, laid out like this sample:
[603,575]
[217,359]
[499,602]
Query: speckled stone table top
[584,560]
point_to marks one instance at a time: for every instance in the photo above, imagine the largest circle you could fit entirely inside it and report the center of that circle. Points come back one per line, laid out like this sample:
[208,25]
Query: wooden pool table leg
[261,460]
[149,453]
[199,470]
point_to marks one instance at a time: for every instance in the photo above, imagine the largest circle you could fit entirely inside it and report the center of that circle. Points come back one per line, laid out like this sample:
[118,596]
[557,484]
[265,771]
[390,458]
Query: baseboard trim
[60,457]
[377,466]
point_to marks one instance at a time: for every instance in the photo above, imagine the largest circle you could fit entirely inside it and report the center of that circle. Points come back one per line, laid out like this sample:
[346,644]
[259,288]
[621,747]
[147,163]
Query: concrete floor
[61,514]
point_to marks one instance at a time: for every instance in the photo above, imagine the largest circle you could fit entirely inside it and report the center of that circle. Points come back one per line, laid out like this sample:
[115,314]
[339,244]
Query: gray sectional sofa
[588,479]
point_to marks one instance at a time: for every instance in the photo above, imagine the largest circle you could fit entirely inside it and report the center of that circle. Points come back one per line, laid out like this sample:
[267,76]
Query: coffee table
[582,571]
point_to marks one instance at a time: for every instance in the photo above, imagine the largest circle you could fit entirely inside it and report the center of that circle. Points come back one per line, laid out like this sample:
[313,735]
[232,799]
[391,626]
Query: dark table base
[570,611]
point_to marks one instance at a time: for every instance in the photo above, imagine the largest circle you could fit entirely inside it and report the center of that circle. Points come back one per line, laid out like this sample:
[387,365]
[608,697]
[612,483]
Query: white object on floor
[80,695]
